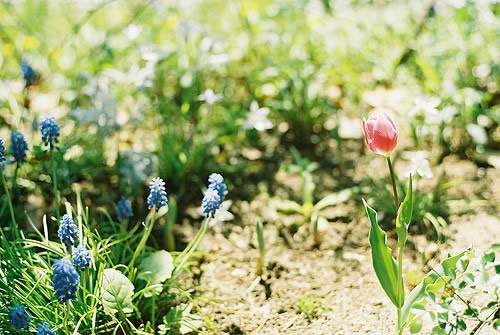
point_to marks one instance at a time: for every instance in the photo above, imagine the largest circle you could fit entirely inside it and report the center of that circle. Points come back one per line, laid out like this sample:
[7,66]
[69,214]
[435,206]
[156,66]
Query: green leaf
[117,291]
[384,264]
[333,199]
[434,281]
[308,187]
[461,325]
[404,216]
[155,269]
[287,206]
[416,325]
[438,331]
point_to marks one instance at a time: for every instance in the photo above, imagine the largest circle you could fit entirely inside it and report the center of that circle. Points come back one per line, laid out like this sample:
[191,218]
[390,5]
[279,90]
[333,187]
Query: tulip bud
[381,134]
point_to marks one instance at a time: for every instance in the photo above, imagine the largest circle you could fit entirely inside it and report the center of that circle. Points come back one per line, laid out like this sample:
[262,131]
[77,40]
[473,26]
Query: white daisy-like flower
[456,307]
[257,118]
[425,107]
[132,31]
[419,164]
[210,97]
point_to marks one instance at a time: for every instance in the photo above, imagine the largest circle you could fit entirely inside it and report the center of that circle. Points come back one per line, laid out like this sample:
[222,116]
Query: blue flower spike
[2,150]
[211,202]
[29,74]
[44,329]
[158,195]
[65,280]
[124,209]
[68,233]
[50,131]
[19,317]
[18,147]
[216,182]
[81,257]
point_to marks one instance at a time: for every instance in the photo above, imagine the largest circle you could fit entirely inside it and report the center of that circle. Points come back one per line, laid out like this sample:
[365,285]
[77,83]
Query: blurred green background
[146,88]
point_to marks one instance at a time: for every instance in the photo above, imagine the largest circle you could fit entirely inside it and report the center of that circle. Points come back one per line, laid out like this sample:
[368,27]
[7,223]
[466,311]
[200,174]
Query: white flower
[448,113]
[132,31]
[419,165]
[209,97]
[456,307]
[425,106]
[257,118]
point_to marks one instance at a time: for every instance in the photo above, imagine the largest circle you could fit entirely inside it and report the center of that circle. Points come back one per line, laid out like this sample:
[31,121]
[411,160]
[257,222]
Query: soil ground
[330,289]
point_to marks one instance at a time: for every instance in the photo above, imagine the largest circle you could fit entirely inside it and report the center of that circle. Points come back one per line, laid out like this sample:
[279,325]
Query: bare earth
[331,289]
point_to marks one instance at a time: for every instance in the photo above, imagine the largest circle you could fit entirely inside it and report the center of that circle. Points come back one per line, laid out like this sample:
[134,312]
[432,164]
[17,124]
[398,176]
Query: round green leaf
[156,268]
[117,292]
[416,325]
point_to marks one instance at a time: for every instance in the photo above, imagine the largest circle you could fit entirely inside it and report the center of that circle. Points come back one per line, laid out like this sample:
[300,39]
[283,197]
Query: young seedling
[381,137]
[311,211]
[261,261]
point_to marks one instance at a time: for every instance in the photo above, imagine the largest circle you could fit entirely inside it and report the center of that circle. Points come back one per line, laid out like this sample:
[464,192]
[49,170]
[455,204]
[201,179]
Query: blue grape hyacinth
[50,131]
[19,317]
[29,74]
[68,233]
[211,202]
[44,329]
[157,196]
[2,150]
[18,147]
[65,280]
[124,209]
[81,257]
[216,182]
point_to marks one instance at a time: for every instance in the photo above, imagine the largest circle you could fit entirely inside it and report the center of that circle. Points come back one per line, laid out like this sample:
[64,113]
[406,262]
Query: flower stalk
[150,221]
[400,247]
[186,254]
[54,182]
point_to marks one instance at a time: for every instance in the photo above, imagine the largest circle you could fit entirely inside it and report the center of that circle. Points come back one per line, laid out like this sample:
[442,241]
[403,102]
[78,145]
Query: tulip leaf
[384,264]
[404,216]
[117,292]
[435,280]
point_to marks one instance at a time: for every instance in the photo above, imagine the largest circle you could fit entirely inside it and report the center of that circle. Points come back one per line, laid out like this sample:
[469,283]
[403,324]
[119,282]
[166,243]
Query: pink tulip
[381,134]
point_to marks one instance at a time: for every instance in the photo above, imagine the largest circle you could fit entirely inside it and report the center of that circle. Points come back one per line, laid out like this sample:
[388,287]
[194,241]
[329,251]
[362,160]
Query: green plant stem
[400,249]
[399,287]
[54,180]
[149,228]
[262,249]
[394,187]
[153,309]
[185,255]
[170,235]
[14,179]
[65,321]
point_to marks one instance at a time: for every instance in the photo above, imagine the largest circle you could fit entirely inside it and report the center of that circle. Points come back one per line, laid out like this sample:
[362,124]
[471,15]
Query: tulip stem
[400,288]
[394,187]
[400,251]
